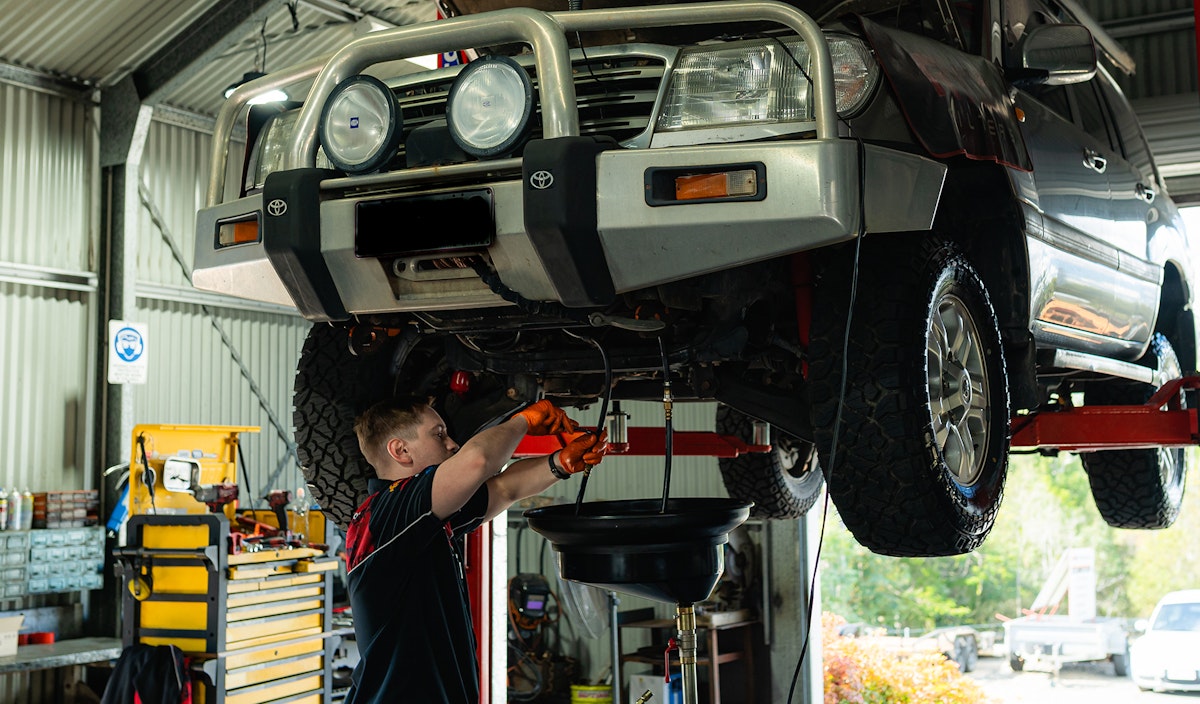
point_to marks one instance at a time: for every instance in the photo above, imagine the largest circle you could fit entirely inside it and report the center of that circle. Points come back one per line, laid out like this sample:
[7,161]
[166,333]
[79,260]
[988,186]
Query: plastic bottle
[26,509]
[3,509]
[14,510]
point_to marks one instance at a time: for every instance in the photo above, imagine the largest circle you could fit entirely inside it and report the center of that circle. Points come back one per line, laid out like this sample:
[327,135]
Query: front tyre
[922,448]
[1137,488]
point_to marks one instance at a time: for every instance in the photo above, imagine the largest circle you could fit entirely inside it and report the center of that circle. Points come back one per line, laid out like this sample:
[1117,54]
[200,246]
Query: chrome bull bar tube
[235,103]
[545,32]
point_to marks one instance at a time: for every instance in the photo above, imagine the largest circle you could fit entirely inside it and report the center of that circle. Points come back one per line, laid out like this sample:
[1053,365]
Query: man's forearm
[522,479]
[497,444]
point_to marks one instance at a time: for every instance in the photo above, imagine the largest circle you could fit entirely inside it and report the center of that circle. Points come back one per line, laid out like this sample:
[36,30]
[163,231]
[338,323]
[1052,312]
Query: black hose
[603,416]
[667,402]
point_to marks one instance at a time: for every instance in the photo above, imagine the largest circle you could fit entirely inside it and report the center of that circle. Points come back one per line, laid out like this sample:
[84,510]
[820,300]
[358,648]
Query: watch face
[177,474]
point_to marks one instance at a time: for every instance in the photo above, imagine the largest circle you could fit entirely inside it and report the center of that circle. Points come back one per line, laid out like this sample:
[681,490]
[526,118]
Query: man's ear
[398,450]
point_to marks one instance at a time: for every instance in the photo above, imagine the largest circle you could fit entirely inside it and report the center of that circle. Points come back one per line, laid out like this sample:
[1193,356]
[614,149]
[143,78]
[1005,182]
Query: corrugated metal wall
[47,303]
[45,235]
[45,147]
[43,406]
[194,375]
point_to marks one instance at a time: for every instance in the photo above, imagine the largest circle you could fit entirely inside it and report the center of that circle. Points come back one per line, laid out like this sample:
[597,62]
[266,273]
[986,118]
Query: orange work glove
[544,418]
[584,452]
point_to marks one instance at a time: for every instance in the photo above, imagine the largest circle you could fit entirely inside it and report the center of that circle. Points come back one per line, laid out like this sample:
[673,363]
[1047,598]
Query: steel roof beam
[214,33]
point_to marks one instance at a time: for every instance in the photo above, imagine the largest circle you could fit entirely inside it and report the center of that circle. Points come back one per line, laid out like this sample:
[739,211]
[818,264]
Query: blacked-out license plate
[445,222]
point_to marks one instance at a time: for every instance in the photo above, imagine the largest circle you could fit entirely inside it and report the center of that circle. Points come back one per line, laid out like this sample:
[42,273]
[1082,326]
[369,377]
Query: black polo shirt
[412,621]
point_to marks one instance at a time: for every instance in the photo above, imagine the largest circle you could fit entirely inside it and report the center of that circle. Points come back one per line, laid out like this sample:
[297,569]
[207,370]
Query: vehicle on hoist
[883,227]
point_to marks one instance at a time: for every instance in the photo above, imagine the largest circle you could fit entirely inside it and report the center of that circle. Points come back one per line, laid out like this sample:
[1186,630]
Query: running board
[1067,359]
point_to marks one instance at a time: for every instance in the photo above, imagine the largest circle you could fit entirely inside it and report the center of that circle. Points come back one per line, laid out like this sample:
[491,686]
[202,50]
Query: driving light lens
[761,82]
[489,107]
[360,125]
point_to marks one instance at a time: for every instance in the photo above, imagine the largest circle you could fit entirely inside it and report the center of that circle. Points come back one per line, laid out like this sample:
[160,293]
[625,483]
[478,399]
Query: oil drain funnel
[674,555]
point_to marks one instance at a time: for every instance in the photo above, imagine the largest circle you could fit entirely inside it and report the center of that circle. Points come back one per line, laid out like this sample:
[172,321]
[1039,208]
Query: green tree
[1047,508]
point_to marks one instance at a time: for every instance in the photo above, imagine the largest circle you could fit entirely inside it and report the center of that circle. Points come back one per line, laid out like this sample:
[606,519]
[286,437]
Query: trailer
[1045,640]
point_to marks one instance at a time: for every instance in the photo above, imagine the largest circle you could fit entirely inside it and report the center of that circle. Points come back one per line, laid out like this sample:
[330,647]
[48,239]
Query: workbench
[64,653]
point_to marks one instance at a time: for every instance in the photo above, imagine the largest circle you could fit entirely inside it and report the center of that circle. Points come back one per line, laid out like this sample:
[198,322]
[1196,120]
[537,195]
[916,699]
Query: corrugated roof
[315,33]
[90,41]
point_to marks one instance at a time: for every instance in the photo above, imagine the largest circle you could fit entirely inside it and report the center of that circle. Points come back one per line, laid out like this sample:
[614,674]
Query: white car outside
[1167,656]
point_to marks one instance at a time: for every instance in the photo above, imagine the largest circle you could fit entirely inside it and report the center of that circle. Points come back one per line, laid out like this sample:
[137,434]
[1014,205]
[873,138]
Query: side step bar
[1067,359]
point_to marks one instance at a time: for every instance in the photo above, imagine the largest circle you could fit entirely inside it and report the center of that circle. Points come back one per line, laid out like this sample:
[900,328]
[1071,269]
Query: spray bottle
[26,509]
[14,510]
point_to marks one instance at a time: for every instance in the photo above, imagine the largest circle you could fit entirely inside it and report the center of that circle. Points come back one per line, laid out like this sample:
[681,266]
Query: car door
[1078,290]
[1141,222]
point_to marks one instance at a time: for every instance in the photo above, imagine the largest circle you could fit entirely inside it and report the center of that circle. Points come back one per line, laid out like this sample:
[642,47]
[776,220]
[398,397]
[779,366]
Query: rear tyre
[1137,488]
[922,450]
[1016,663]
[783,483]
[1120,663]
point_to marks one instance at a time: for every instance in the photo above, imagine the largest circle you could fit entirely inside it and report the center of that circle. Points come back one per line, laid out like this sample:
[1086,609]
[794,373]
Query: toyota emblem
[277,207]
[541,180]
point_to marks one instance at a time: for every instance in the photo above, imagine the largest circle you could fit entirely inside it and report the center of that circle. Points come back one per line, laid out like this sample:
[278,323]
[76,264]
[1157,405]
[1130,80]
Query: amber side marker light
[237,232]
[724,184]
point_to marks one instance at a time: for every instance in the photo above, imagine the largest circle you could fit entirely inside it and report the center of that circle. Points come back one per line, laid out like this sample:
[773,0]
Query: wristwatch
[555,469]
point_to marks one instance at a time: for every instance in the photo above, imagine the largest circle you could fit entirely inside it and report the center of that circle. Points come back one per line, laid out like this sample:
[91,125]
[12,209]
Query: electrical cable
[540,308]
[148,475]
[245,473]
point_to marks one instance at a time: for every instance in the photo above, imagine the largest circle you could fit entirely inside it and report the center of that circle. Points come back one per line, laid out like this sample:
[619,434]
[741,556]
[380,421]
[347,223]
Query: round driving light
[489,107]
[360,125]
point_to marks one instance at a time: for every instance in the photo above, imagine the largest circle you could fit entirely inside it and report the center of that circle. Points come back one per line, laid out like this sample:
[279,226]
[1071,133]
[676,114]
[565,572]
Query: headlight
[489,107]
[759,81]
[360,125]
[272,143]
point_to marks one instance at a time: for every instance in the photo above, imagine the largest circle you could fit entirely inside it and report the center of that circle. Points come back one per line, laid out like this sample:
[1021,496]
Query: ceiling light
[271,96]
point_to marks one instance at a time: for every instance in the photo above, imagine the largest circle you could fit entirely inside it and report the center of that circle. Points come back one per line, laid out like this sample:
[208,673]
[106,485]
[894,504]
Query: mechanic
[404,545]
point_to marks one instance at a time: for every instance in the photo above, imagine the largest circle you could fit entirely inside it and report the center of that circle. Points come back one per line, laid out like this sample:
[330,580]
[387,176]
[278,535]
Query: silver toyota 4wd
[883,227]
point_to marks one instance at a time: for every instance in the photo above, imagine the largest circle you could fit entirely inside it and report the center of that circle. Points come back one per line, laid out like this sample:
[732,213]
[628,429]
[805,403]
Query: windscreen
[1177,617]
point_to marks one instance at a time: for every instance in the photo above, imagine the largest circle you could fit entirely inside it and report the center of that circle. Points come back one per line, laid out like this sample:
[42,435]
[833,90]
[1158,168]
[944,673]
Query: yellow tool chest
[257,625]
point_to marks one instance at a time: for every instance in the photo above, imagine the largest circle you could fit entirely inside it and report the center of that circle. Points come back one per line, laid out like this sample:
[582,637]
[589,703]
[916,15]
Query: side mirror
[1141,625]
[1056,54]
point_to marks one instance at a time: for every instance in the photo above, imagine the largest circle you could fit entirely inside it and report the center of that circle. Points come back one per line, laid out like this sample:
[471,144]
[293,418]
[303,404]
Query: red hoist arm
[1160,422]
[649,442]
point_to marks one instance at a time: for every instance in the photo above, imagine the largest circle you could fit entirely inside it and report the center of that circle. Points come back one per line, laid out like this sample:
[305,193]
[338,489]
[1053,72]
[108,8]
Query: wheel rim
[792,455]
[958,389]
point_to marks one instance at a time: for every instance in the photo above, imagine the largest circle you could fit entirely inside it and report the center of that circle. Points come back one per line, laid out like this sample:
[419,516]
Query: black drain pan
[675,556]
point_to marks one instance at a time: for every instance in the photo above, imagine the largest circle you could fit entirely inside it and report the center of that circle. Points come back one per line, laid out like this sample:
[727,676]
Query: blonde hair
[385,420]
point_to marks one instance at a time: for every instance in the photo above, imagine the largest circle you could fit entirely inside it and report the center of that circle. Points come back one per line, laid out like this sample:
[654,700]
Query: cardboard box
[9,625]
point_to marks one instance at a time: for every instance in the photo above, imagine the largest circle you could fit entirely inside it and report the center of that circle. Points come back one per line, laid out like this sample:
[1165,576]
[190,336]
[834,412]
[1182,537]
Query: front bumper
[812,199]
